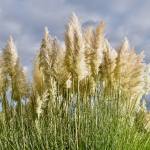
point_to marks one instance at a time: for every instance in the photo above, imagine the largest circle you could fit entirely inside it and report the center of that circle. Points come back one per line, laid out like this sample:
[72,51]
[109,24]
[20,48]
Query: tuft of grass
[84,95]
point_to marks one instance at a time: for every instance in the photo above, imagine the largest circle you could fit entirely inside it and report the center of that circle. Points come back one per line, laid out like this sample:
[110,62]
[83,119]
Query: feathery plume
[94,47]
[19,83]
[44,54]
[106,69]
[41,103]
[129,71]
[74,58]
[38,83]
[9,57]
[147,79]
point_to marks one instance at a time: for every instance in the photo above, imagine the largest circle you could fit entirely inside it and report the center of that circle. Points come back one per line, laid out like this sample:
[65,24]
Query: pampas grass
[83,95]
[74,58]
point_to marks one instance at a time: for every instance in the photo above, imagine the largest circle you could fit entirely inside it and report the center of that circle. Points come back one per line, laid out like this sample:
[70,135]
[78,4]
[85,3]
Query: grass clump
[84,95]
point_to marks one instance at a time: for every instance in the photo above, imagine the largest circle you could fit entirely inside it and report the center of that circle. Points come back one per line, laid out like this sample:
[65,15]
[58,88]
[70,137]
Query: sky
[25,21]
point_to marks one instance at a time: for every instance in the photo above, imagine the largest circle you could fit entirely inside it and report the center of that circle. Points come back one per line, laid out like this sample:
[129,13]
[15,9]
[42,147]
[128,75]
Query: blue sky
[26,19]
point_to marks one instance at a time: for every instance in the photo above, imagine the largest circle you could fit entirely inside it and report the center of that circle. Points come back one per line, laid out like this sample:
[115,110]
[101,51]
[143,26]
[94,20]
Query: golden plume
[74,58]
[94,47]
[19,83]
[38,82]
[106,69]
[129,71]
